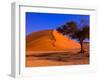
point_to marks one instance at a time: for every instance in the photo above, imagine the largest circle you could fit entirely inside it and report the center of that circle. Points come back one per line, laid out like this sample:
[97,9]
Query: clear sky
[43,21]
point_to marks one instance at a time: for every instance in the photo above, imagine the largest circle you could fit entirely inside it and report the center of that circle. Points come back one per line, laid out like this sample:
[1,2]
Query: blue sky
[43,21]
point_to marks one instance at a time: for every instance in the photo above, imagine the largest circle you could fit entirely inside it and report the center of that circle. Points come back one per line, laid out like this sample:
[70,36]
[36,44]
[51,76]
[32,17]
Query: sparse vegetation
[71,29]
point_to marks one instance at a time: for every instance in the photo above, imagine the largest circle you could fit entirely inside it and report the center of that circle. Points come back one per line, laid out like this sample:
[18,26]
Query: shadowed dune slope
[49,40]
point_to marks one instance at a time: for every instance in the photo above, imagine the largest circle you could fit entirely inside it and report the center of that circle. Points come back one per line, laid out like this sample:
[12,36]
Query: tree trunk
[82,48]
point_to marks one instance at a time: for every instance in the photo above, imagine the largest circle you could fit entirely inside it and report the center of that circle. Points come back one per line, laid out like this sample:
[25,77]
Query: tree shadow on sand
[63,57]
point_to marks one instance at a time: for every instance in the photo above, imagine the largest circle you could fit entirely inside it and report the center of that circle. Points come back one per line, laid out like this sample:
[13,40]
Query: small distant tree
[71,29]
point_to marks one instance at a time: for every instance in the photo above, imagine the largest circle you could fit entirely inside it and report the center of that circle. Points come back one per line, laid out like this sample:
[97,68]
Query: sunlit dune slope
[64,42]
[49,40]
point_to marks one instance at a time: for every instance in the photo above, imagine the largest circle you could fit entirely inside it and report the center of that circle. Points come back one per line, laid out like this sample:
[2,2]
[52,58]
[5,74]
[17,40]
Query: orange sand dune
[49,40]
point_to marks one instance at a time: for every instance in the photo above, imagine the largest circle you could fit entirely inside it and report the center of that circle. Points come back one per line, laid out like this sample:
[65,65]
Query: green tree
[71,29]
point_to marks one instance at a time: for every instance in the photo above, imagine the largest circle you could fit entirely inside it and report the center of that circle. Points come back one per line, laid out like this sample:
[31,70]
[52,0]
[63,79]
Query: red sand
[50,40]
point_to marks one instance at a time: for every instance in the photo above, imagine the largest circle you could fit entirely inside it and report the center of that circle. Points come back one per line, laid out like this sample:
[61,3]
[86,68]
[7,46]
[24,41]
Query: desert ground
[49,48]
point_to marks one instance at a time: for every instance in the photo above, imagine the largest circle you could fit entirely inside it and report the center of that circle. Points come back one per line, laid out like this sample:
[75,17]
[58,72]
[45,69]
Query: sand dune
[50,48]
[49,40]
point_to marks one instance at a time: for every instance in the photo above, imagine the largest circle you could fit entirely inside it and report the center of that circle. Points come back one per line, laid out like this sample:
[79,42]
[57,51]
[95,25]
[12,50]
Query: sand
[50,48]
[49,40]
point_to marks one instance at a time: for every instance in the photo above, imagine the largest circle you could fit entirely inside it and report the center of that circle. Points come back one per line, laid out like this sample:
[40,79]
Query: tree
[71,29]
